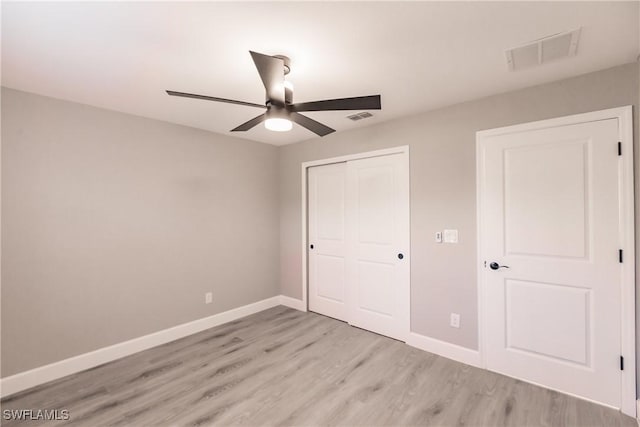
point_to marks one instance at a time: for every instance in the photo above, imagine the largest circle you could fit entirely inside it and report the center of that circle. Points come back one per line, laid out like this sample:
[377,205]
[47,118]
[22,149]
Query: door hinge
[619,148]
[621,363]
[620,255]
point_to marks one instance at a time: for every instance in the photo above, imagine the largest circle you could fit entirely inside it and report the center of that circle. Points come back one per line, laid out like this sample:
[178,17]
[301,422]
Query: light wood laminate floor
[284,367]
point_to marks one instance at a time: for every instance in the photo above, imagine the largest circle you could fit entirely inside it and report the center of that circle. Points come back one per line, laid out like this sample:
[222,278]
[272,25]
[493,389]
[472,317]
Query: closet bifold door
[326,241]
[377,224]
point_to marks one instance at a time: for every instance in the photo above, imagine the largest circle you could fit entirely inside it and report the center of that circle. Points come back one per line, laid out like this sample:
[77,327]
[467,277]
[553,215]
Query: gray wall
[115,226]
[443,187]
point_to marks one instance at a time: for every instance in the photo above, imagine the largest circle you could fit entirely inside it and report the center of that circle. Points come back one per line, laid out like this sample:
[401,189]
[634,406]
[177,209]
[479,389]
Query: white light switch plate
[451,236]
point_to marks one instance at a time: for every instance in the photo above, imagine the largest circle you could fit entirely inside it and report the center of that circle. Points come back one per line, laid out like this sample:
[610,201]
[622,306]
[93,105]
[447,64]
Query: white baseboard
[445,349]
[24,380]
[292,303]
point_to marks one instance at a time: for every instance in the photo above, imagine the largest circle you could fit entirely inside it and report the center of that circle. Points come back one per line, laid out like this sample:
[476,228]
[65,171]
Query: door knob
[400,256]
[310,246]
[496,266]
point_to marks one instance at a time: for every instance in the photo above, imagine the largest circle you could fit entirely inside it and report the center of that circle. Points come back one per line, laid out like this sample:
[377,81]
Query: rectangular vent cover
[546,49]
[359,116]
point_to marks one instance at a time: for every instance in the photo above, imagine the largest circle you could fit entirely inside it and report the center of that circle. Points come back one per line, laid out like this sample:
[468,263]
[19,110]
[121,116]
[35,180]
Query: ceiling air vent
[541,51]
[359,116]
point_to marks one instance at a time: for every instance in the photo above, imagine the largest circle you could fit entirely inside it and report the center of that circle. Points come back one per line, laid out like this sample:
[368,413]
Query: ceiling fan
[281,110]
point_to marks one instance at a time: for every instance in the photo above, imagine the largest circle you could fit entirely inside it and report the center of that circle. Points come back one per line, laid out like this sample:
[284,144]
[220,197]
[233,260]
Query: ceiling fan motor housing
[288,89]
[277,112]
[288,94]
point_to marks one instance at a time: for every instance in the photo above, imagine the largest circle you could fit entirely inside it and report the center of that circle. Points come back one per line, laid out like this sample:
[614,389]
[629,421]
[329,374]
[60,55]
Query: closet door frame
[404,150]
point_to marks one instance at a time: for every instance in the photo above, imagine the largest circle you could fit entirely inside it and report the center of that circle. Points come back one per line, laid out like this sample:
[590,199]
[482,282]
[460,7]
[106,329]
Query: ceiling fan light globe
[278,125]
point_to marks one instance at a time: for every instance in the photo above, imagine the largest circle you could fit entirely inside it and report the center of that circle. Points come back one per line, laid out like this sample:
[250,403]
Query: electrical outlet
[438,236]
[454,320]
[208,298]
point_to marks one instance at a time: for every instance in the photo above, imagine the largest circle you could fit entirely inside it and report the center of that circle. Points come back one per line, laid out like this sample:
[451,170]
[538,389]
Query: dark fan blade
[315,127]
[358,103]
[212,98]
[251,123]
[271,72]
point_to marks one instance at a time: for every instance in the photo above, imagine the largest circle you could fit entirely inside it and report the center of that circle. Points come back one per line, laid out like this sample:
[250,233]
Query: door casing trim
[403,149]
[624,115]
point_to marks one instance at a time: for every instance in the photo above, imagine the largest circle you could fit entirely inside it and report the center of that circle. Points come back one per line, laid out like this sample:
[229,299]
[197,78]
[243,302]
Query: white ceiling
[417,55]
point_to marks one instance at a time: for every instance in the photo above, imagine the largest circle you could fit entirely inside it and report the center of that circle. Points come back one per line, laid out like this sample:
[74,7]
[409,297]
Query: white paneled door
[359,243]
[378,245]
[550,201]
[327,251]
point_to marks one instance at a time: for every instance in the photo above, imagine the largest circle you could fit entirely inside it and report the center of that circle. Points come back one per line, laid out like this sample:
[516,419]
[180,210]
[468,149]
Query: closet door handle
[400,256]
